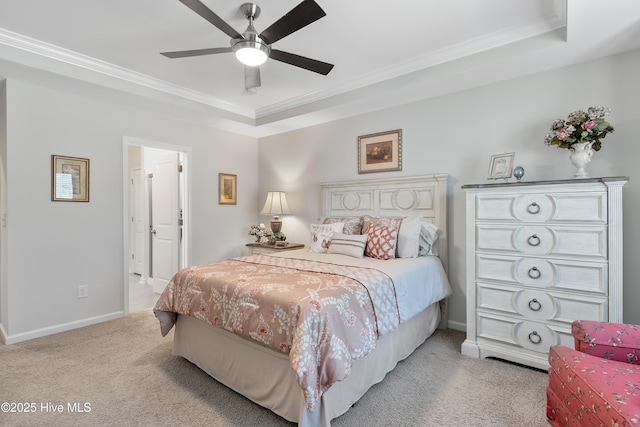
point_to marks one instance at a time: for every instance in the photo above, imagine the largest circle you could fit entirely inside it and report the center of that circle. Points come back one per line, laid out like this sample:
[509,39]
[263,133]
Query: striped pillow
[348,244]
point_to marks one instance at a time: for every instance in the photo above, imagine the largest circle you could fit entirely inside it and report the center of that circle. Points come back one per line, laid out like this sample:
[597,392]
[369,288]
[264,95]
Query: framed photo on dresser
[501,166]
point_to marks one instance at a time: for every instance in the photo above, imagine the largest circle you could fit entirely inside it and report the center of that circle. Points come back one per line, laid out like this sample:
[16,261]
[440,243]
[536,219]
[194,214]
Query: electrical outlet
[83,291]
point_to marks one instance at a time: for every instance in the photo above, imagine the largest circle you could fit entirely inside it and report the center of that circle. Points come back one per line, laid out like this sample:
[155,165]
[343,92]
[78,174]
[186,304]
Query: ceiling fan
[253,49]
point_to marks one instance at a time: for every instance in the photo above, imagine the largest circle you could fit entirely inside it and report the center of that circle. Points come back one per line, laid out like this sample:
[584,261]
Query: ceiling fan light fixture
[251,53]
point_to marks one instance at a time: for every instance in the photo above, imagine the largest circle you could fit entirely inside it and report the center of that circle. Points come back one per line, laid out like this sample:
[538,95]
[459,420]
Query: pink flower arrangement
[580,126]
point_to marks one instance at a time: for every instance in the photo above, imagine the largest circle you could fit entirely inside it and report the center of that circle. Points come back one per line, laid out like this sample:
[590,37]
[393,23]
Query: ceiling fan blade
[251,77]
[196,52]
[299,17]
[301,61]
[206,13]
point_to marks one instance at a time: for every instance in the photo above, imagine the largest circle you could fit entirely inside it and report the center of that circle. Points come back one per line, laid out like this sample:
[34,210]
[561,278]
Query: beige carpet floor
[122,373]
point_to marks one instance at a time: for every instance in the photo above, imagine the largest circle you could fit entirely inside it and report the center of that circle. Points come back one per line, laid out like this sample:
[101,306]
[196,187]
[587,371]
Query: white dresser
[540,255]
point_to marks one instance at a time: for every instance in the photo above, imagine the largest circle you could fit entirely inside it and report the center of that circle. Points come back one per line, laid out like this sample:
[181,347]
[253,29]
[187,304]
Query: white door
[137,220]
[165,227]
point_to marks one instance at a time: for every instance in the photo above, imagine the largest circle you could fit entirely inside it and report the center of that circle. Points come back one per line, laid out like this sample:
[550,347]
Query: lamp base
[276,226]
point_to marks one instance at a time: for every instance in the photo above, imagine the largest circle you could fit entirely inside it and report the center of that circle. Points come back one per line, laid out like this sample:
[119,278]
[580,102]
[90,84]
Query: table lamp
[276,204]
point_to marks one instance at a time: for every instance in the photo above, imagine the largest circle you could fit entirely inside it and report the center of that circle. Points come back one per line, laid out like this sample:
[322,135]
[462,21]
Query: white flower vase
[581,153]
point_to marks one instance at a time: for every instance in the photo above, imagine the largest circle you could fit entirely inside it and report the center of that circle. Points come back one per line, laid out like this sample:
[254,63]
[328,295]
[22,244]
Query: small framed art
[227,189]
[501,166]
[380,152]
[69,179]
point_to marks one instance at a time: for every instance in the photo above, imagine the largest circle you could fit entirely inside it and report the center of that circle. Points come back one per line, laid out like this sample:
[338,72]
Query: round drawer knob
[533,240]
[535,305]
[534,273]
[535,338]
[533,208]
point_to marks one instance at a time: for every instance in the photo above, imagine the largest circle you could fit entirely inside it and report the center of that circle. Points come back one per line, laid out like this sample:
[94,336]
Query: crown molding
[47,50]
[546,24]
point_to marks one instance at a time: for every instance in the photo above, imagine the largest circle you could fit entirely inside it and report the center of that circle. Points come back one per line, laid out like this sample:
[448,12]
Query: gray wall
[458,133]
[52,247]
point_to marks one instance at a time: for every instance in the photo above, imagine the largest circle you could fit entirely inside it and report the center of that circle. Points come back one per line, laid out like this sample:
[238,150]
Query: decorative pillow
[378,220]
[382,242]
[348,244]
[352,224]
[428,239]
[321,235]
[409,237]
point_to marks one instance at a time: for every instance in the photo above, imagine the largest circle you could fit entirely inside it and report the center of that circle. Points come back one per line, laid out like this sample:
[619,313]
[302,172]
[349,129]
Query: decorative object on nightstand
[518,172]
[581,133]
[261,232]
[266,236]
[257,248]
[540,255]
[276,204]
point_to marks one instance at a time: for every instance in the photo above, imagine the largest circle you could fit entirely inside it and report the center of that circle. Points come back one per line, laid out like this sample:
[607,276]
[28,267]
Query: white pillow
[348,244]
[428,239]
[321,235]
[409,237]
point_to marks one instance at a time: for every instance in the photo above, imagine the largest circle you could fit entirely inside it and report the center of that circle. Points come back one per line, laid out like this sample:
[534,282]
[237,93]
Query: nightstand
[258,248]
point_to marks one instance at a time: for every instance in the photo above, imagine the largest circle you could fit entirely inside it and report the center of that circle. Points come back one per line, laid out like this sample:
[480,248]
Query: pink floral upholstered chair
[598,383]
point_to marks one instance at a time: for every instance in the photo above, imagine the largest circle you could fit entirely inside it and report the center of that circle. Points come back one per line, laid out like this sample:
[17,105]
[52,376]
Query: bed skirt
[266,377]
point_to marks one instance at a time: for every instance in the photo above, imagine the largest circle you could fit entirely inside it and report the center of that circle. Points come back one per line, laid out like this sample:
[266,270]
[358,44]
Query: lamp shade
[276,204]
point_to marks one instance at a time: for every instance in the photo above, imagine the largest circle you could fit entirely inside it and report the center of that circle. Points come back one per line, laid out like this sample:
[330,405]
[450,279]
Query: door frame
[186,176]
[136,193]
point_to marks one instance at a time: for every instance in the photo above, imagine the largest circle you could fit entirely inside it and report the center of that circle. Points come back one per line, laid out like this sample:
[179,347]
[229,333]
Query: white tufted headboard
[407,196]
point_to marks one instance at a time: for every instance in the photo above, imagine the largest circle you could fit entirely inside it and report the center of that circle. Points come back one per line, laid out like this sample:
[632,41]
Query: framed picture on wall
[380,152]
[227,189]
[501,166]
[69,179]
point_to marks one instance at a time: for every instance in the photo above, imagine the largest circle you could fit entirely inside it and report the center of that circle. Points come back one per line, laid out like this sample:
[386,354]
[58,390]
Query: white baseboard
[25,336]
[458,326]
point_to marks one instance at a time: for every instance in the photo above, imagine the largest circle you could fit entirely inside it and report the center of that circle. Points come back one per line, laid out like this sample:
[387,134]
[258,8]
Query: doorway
[156,213]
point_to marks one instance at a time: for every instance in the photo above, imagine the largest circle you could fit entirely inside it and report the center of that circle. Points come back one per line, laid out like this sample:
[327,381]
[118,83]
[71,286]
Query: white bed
[266,376]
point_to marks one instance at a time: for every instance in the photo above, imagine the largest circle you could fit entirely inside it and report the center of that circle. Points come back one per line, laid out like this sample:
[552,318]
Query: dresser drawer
[540,305]
[535,207]
[533,336]
[551,273]
[543,240]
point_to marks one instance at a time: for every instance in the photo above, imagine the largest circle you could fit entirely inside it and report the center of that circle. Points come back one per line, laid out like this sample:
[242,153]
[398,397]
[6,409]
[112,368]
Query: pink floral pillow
[386,221]
[382,242]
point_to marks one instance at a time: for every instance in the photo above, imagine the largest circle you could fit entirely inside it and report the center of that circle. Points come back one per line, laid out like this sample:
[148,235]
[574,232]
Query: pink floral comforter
[325,316]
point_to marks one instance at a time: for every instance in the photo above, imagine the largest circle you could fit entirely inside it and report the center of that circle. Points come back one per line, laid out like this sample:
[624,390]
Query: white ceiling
[385,52]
